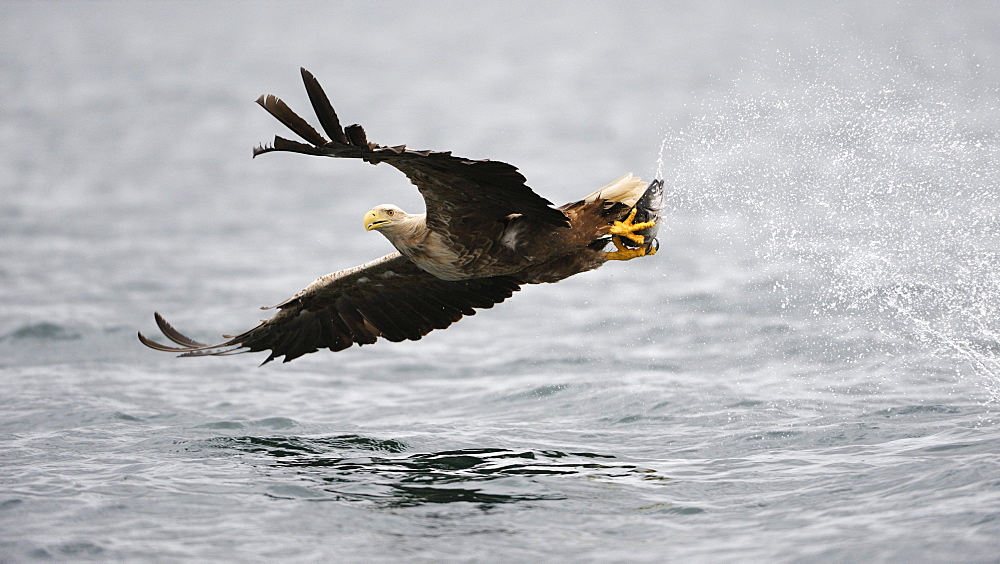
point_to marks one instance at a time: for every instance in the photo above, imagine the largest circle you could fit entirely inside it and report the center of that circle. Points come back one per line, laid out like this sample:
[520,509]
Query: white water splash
[876,196]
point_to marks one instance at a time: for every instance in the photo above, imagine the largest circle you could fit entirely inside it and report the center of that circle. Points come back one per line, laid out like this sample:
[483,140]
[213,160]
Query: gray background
[807,369]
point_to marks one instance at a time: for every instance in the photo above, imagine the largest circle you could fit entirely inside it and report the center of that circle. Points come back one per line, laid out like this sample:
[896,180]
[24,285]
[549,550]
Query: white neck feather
[406,231]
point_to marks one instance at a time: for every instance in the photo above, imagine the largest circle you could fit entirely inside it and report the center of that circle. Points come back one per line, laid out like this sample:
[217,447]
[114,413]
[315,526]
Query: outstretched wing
[460,194]
[389,297]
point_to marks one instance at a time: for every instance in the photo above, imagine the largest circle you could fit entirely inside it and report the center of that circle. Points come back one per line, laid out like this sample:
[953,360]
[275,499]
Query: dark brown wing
[389,297]
[479,192]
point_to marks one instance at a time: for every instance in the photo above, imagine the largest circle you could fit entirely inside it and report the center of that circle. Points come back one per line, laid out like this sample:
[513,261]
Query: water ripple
[357,468]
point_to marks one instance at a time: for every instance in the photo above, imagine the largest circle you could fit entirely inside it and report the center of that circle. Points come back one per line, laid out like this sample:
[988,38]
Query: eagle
[483,235]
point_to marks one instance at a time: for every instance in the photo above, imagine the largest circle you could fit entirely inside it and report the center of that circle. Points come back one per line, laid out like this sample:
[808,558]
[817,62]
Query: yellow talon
[628,229]
[625,253]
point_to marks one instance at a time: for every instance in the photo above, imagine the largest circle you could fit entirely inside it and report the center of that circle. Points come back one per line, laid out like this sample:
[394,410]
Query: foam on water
[870,192]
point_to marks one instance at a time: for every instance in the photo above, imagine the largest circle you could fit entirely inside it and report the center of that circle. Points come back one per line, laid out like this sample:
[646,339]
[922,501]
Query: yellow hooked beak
[374,219]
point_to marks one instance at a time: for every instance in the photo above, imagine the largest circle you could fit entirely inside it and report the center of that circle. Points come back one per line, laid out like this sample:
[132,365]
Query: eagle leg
[625,253]
[628,229]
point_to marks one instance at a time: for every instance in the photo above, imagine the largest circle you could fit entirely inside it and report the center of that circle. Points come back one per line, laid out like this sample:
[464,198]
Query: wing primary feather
[232,352]
[209,352]
[277,108]
[303,338]
[175,335]
[281,144]
[281,346]
[323,108]
[356,135]
[160,347]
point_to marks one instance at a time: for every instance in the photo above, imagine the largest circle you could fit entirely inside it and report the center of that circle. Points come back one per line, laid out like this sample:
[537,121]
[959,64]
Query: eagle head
[383,216]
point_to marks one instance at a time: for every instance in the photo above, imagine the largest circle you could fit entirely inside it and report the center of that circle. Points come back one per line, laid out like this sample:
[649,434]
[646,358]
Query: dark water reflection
[357,468]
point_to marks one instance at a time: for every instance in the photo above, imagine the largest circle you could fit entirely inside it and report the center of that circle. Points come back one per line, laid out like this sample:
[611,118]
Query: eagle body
[535,251]
[483,235]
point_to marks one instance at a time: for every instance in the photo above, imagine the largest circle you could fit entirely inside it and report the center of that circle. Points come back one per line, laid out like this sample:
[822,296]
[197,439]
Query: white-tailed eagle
[483,235]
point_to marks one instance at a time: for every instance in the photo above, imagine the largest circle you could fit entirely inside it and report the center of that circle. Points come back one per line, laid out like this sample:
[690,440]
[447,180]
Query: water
[807,370]
[880,189]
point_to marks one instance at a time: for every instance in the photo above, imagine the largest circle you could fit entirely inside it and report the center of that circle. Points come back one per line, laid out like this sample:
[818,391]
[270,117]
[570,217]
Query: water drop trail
[873,192]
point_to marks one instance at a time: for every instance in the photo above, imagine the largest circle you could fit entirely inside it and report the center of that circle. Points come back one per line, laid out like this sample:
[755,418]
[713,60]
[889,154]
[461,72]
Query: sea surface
[808,370]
